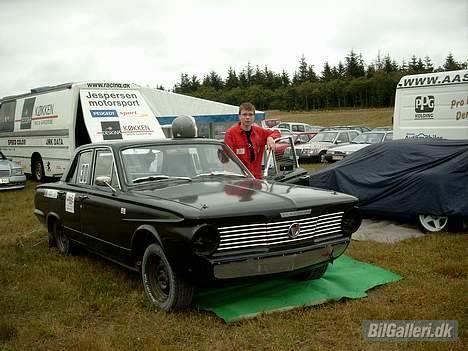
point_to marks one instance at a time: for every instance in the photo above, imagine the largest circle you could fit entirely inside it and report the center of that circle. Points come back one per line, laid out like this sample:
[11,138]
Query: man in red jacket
[248,140]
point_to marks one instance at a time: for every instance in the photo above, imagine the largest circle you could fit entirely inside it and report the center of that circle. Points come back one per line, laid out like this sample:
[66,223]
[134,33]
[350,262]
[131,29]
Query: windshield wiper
[159,177]
[220,173]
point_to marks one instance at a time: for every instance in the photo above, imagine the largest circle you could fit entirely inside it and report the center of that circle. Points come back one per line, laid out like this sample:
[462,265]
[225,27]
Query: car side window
[388,137]
[105,166]
[352,135]
[82,169]
[300,128]
[343,137]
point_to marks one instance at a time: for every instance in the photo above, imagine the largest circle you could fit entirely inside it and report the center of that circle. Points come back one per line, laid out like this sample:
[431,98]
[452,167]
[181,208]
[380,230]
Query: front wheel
[433,224]
[38,169]
[162,286]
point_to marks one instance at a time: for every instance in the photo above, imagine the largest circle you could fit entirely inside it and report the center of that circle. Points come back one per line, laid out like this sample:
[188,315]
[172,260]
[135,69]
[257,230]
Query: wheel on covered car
[432,223]
[315,273]
[162,286]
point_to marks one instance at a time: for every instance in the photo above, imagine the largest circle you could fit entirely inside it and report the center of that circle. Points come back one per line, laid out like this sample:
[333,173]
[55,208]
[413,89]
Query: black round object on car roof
[184,127]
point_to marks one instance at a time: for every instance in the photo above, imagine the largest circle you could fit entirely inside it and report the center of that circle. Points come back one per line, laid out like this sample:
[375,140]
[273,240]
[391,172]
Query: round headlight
[351,221]
[205,241]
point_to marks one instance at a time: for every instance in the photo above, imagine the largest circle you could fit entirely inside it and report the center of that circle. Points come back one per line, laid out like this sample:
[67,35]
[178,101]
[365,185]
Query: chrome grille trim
[270,234]
[4,173]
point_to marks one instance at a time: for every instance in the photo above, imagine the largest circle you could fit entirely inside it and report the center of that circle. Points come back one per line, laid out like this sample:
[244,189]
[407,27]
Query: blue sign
[104,113]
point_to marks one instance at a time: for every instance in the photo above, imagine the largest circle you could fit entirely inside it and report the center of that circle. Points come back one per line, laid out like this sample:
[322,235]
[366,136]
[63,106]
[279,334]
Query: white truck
[41,129]
[433,105]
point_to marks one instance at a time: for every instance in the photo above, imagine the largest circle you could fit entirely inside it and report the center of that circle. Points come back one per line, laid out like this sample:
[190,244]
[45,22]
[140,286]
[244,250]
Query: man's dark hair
[247,106]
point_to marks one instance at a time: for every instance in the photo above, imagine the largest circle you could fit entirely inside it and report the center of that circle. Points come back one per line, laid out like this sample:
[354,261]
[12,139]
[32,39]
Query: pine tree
[428,67]
[232,81]
[450,63]
[327,74]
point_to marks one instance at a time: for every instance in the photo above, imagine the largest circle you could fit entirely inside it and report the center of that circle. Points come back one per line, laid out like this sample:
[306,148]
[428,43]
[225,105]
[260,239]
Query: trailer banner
[118,114]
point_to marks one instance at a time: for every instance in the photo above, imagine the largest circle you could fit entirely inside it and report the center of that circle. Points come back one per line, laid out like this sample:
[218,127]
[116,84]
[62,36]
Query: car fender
[145,228]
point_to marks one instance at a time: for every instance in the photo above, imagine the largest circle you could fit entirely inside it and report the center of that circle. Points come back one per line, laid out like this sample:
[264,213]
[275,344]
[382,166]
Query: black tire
[315,273]
[321,156]
[162,286]
[37,169]
[61,240]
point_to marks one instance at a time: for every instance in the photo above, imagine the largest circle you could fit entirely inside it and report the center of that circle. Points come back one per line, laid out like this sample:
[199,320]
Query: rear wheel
[431,223]
[38,169]
[162,286]
[315,273]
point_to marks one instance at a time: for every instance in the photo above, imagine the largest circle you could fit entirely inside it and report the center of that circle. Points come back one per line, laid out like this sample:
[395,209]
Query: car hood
[6,164]
[349,147]
[216,198]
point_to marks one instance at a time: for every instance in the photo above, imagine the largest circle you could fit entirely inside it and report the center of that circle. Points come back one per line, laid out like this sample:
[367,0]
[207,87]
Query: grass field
[82,302]
[369,117]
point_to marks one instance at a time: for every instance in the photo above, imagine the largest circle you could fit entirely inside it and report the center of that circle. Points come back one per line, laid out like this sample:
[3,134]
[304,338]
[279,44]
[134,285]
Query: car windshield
[368,138]
[182,162]
[327,137]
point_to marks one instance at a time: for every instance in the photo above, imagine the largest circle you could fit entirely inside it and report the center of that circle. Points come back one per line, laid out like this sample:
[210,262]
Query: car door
[101,212]
[74,193]
[342,137]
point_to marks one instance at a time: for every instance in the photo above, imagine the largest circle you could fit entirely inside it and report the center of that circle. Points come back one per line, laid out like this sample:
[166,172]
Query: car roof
[122,144]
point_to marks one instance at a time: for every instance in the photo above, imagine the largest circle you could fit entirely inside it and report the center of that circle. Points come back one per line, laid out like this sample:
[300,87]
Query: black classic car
[186,212]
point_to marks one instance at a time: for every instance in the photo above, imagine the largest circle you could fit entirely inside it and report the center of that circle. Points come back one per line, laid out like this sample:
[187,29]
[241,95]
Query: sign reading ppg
[104,113]
[424,104]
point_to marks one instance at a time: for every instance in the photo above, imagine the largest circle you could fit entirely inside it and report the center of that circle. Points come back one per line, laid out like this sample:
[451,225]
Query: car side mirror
[103,181]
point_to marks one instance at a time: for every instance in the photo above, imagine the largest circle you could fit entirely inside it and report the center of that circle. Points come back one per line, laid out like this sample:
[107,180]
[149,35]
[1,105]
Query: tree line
[351,83]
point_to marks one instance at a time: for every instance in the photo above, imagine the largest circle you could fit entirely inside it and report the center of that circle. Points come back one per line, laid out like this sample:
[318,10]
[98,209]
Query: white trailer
[433,105]
[41,129]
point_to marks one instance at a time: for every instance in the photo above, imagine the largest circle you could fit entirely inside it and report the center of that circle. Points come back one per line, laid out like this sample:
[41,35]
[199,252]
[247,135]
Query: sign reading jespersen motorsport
[118,114]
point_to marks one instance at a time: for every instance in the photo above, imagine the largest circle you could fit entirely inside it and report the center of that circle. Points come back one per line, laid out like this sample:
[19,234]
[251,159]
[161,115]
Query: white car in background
[11,174]
[316,148]
[340,152]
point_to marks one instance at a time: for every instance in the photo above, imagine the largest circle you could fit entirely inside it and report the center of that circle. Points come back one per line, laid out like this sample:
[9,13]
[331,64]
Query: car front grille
[318,228]
[4,173]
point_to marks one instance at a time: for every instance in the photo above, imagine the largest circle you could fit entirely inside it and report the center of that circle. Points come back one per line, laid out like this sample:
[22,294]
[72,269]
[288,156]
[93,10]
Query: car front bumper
[280,262]
[12,182]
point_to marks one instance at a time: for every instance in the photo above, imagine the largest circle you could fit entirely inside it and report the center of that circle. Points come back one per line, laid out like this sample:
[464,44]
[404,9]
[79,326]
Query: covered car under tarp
[403,178]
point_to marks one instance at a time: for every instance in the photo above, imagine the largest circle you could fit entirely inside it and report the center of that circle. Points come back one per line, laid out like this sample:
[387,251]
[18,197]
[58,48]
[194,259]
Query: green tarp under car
[345,278]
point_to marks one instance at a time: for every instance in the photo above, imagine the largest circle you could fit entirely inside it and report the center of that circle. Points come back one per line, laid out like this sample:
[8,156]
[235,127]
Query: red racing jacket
[236,139]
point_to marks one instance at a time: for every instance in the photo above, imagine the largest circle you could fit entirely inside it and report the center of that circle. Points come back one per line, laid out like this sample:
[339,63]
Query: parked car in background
[362,129]
[297,139]
[316,148]
[11,174]
[283,131]
[270,122]
[186,212]
[382,129]
[421,180]
[338,153]
[297,127]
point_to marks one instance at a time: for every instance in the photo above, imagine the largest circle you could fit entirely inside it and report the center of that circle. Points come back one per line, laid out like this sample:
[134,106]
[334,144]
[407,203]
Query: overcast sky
[48,42]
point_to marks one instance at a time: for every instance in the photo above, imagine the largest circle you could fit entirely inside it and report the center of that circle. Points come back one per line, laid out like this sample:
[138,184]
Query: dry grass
[369,117]
[50,302]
